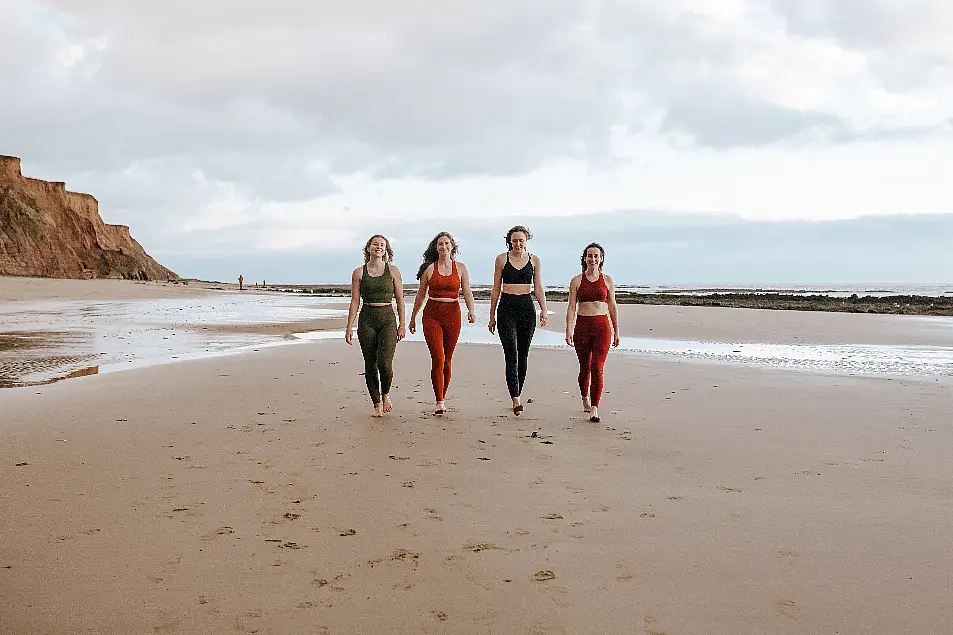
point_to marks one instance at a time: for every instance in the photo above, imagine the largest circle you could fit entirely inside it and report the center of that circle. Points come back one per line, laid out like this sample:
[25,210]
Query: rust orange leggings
[592,338]
[441,322]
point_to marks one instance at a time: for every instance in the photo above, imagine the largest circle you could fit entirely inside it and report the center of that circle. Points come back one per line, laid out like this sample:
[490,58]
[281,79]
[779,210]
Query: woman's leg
[601,342]
[367,336]
[386,347]
[506,327]
[433,333]
[582,342]
[451,334]
[526,327]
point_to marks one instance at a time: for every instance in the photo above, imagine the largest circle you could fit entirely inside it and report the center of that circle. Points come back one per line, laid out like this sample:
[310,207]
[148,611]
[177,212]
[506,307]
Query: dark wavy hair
[431,255]
[513,230]
[588,247]
[389,257]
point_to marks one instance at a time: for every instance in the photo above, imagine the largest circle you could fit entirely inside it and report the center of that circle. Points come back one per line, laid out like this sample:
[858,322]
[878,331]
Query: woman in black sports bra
[516,277]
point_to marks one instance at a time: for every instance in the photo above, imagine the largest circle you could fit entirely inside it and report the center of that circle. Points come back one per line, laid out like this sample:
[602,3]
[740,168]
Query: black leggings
[516,324]
[377,333]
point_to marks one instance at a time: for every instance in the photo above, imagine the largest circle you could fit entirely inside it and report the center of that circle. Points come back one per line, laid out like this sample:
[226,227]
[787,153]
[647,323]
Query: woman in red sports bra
[441,278]
[592,297]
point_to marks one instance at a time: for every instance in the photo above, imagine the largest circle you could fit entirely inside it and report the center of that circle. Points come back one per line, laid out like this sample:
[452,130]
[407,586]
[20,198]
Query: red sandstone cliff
[48,232]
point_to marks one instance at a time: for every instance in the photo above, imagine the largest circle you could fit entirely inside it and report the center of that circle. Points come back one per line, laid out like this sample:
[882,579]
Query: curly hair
[601,251]
[431,255]
[389,256]
[513,230]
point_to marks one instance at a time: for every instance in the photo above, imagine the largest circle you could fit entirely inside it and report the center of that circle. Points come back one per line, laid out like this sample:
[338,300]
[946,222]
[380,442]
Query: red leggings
[441,322]
[591,338]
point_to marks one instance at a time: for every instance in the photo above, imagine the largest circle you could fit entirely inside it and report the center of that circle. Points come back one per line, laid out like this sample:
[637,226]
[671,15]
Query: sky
[700,141]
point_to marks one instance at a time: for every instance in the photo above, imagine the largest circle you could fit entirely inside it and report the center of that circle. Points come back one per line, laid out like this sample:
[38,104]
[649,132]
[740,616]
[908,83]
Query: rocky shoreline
[894,304]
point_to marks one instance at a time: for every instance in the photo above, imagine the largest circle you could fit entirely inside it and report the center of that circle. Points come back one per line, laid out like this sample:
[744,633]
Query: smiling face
[377,248]
[518,242]
[593,258]
[445,247]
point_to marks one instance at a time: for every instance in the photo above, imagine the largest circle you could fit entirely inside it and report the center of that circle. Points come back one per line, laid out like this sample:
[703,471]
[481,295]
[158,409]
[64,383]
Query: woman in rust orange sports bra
[592,306]
[441,278]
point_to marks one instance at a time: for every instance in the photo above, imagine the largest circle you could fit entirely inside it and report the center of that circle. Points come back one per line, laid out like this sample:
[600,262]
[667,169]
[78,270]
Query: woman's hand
[569,338]
[413,326]
[471,318]
[616,340]
[543,318]
[401,333]
[348,336]
[491,324]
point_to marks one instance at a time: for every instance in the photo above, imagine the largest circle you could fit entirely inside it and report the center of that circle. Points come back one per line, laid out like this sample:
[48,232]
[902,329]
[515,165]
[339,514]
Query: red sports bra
[444,286]
[592,291]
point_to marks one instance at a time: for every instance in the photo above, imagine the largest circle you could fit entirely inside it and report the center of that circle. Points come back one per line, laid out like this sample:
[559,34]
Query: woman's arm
[495,292]
[613,311]
[421,296]
[571,309]
[540,291]
[355,303]
[399,295]
[467,293]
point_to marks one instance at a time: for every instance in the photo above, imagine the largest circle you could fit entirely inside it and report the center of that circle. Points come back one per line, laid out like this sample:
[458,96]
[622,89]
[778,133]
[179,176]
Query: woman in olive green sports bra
[377,283]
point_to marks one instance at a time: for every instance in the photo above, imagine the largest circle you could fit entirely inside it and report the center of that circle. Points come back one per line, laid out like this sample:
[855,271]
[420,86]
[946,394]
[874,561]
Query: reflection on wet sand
[34,358]
[55,340]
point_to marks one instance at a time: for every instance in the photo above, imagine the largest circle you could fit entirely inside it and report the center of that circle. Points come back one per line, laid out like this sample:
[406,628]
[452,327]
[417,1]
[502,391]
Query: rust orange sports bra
[444,286]
[592,291]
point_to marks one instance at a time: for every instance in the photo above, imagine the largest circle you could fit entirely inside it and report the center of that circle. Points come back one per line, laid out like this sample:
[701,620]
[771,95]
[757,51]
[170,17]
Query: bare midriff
[589,309]
[517,289]
[379,303]
[431,299]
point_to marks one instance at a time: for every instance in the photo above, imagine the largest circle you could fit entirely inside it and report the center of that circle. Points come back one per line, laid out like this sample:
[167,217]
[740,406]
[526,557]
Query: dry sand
[255,494]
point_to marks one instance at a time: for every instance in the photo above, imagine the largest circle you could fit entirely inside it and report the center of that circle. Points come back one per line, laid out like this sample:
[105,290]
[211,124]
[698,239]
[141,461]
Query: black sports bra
[512,275]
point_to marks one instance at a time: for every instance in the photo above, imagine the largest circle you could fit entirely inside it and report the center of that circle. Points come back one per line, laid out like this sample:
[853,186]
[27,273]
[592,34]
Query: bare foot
[594,414]
[388,406]
[378,410]
[517,406]
[586,405]
[439,409]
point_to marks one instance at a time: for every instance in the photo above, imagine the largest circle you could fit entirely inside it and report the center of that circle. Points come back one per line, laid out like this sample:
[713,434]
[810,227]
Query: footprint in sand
[477,547]
[545,629]
[788,557]
[650,626]
[787,608]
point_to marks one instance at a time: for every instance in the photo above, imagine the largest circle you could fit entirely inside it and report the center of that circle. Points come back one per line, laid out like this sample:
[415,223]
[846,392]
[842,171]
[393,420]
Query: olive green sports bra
[377,289]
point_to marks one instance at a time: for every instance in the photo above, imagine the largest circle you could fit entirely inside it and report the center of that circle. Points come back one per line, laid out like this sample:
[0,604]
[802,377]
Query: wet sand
[254,494]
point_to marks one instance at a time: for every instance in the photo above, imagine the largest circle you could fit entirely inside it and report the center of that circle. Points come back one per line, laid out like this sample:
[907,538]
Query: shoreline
[20,289]
[68,330]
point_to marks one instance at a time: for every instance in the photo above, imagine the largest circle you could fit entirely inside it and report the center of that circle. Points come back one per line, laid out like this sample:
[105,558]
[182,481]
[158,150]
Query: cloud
[226,126]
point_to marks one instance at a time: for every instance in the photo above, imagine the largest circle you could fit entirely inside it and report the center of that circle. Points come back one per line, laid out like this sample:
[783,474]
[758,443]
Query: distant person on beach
[516,276]
[377,283]
[441,278]
[241,281]
[593,309]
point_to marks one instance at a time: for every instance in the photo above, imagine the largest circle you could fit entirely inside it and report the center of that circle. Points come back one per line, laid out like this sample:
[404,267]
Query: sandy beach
[253,493]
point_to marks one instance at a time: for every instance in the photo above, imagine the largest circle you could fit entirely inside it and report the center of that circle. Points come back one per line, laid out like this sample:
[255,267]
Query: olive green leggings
[377,333]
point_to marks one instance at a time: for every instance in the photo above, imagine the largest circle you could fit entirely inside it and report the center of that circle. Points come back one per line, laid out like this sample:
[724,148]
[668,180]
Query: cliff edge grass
[49,232]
